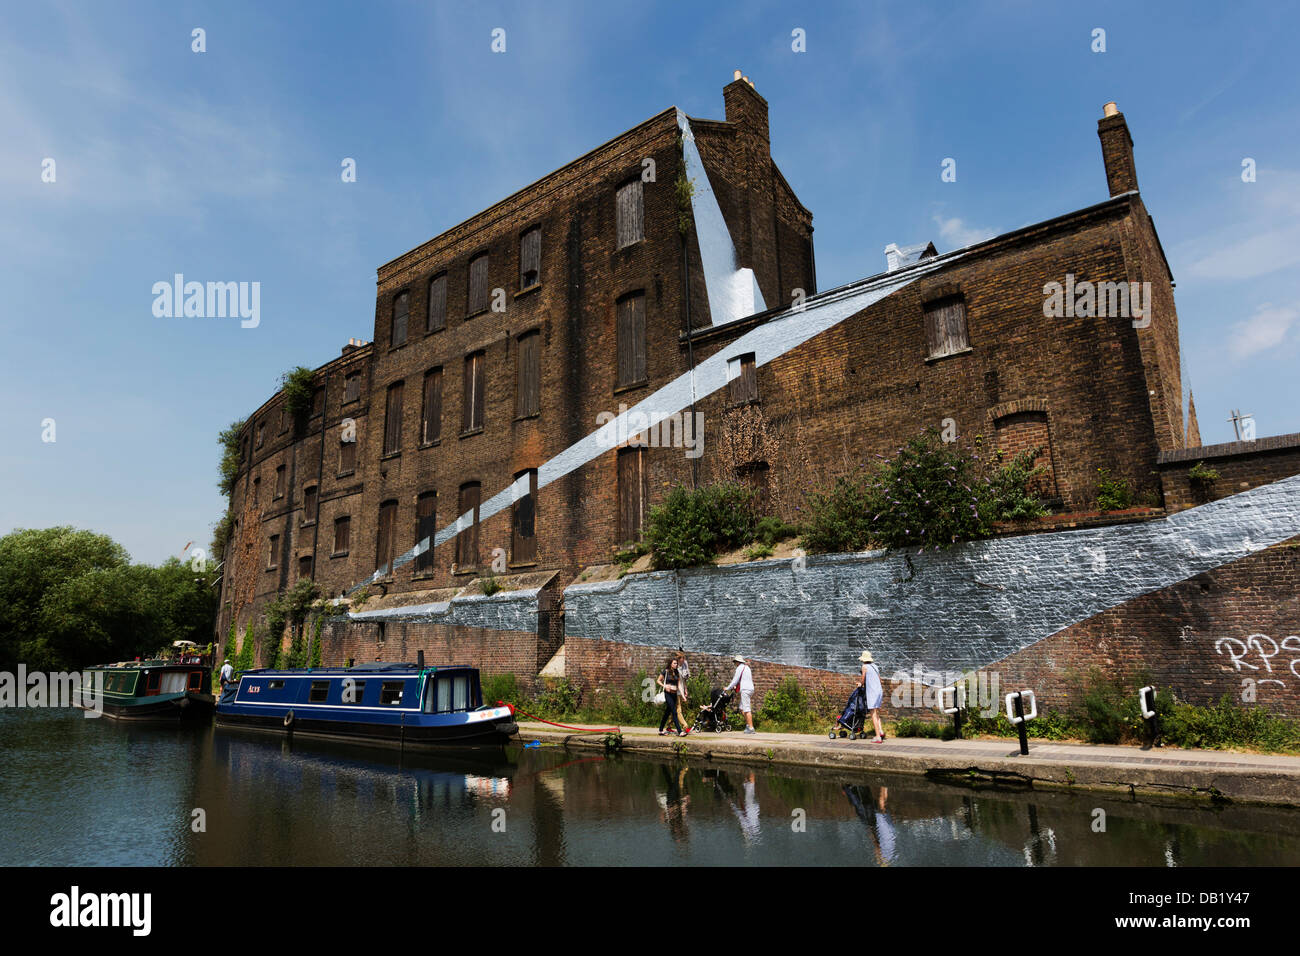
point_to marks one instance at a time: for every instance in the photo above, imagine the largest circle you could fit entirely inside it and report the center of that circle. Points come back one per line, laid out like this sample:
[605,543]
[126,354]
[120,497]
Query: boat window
[320,689]
[196,680]
[153,682]
[391,692]
[460,692]
[277,685]
[354,691]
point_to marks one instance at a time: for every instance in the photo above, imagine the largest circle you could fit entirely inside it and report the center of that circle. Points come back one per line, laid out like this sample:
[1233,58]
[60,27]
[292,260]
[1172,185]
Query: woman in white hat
[873,692]
[743,680]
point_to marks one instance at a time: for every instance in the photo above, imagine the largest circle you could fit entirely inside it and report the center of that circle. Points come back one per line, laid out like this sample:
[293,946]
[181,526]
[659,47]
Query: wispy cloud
[1265,238]
[958,233]
[1264,330]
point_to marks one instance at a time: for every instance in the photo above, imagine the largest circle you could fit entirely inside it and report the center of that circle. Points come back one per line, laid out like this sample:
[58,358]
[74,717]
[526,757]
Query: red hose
[581,730]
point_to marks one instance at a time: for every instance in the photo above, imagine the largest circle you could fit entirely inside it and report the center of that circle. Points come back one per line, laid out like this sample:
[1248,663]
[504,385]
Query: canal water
[81,792]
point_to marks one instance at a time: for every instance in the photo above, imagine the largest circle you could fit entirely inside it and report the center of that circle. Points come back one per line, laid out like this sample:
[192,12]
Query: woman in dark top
[668,681]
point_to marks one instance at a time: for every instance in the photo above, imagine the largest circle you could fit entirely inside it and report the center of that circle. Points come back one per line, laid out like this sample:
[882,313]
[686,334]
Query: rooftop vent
[1110,109]
[896,256]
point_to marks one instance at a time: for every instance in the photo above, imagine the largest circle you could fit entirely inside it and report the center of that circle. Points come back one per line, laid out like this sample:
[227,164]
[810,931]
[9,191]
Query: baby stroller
[850,722]
[713,715]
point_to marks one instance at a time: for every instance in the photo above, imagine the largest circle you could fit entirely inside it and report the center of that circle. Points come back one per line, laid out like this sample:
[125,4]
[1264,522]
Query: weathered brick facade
[969,346]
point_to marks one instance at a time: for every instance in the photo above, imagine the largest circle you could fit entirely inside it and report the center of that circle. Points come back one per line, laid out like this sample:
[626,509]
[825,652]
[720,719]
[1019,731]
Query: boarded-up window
[945,325]
[304,568]
[261,433]
[437,318]
[478,284]
[630,225]
[467,540]
[279,481]
[530,258]
[528,375]
[426,526]
[523,548]
[257,489]
[342,534]
[347,456]
[386,544]
[431,407]
[273,553]
[351,387]
[317,401]
[472,406]
[309,505]
[401,311]
[393,420]
[631,339]
[742,379]
[631,494]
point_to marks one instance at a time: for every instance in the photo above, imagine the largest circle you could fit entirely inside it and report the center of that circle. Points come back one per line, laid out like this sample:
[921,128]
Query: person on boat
[227,674]
[872,692]
[669,681]
[743,680]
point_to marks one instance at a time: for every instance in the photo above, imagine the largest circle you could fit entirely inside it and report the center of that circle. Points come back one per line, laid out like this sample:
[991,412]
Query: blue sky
[225,165]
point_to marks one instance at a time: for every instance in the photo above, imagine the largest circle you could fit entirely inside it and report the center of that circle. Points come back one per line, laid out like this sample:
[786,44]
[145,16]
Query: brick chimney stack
[748,110]
[1117,151]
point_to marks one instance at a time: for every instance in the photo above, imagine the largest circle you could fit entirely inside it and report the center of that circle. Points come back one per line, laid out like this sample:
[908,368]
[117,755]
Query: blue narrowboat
[397,705]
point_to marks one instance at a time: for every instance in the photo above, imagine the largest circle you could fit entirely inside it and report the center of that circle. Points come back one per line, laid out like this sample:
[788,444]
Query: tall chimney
[1117,151]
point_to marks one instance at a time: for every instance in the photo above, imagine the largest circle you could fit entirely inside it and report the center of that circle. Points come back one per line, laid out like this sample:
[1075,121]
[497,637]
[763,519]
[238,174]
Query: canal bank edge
[1210,776]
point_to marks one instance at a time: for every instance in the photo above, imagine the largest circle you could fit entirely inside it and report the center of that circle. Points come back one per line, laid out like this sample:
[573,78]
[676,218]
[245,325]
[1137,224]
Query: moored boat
[162,689]
[398,705]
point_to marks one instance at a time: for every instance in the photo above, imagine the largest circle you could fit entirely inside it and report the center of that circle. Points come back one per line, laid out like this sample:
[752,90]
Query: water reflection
[86,792]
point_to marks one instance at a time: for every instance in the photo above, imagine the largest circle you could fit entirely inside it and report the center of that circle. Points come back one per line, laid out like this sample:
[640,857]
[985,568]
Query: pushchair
[851,721]
[713,716]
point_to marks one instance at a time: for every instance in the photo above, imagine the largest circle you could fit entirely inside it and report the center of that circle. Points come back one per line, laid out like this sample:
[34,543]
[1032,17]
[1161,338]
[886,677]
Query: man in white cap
[872,692]
[743,680]
[227,674]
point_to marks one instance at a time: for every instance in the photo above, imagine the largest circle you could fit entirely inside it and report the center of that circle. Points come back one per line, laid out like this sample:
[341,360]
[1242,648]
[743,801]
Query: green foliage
[929,495]
[1227,724]
[685,191]
[244,660]
[912,727]
[787,707]
[558,697]
[839,518]
[315,645]
[228,467]
[500,687]
[1008,498]
[298,386]
[1113,494]
[1202,479]
[490,585]
[360,598]
[771,530]
[758,551]
[691,528]
[71,598]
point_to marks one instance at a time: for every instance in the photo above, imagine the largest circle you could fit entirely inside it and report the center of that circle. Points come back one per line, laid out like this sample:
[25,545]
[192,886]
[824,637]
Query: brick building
[667,278]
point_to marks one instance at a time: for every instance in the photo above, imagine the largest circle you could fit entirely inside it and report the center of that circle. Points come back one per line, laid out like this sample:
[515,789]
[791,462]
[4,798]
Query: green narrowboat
[164,689]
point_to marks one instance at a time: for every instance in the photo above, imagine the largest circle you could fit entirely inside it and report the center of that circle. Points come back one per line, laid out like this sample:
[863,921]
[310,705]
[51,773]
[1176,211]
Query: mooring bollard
[1147,704]
[959,704]
[1019,717]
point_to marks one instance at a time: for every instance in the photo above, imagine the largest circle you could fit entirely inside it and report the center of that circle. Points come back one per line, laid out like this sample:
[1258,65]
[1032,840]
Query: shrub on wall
[1113,494]
[839,518]
[1009,497]
[297,385]
[691,528]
